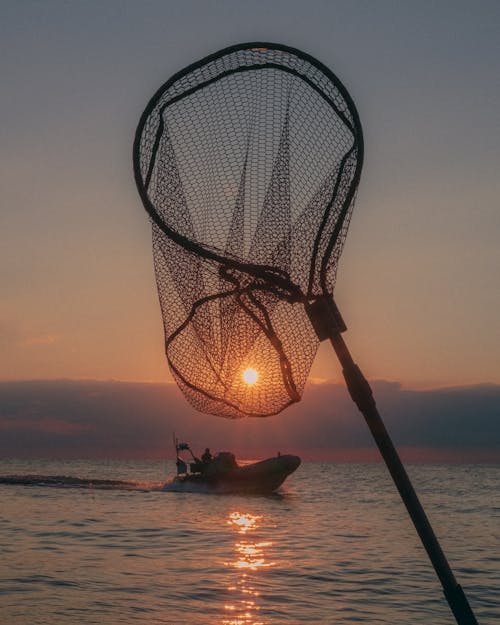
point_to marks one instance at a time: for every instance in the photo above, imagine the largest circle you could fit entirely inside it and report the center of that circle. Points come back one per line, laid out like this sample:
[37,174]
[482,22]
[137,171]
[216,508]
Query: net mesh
[247,163]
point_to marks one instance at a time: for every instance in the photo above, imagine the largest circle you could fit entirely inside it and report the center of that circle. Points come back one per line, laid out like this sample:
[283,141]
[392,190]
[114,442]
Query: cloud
[14,334]
[32,340]
[120,419]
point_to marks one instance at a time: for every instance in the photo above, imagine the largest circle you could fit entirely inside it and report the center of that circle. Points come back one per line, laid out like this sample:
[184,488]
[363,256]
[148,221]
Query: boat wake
[67,481]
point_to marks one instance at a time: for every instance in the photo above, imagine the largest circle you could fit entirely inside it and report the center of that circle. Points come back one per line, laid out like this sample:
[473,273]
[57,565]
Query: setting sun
[250,376]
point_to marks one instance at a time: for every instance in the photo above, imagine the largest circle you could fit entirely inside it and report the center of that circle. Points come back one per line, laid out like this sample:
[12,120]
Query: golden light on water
[251,560]
[250,376]
[244,522]
[252,556]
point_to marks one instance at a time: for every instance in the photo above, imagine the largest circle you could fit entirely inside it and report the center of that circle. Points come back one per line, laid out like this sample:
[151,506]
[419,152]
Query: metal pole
[362,395]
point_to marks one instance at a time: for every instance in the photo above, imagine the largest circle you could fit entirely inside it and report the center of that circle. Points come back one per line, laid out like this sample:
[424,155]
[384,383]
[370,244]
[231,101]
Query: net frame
[259,277]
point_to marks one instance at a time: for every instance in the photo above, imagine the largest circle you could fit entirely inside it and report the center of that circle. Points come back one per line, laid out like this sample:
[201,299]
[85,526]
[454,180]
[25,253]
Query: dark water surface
[335,547]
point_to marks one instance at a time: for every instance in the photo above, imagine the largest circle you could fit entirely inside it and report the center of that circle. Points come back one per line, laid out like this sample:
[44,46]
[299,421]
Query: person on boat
[207,456]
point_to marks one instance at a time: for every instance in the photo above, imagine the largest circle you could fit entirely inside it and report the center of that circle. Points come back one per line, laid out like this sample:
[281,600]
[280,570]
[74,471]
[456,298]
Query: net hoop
[267,273]
[247,163]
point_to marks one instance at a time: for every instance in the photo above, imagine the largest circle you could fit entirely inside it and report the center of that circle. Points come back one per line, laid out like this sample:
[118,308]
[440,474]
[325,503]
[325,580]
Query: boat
[223,474]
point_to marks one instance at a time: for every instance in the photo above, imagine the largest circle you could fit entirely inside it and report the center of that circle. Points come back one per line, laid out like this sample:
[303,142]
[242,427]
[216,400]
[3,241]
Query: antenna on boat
[248,164]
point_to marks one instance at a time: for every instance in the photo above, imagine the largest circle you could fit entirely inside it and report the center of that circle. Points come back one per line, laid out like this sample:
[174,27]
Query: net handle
[362,395]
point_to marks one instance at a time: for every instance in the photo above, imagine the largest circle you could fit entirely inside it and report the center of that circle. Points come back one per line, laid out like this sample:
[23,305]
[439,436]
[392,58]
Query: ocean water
[334,547]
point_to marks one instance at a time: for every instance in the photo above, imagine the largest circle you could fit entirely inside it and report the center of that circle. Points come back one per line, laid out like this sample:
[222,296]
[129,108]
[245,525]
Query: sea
[102,542]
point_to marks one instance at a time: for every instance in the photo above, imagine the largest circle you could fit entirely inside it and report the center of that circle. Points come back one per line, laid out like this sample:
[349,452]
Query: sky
[418,280]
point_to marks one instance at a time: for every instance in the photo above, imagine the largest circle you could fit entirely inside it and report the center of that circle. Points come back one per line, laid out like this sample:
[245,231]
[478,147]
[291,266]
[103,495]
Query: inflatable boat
[223,474]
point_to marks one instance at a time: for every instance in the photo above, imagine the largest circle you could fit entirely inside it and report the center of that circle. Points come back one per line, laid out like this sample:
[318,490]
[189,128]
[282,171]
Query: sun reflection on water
[250,559]
[252,556]
[243,522]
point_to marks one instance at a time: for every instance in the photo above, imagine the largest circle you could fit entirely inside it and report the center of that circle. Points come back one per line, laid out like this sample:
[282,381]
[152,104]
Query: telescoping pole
[362,396]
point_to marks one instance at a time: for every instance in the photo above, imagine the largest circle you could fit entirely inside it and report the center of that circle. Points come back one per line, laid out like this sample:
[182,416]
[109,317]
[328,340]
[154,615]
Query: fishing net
[247,163]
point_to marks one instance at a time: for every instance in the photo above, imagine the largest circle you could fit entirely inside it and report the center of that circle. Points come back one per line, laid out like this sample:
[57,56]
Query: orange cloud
[35,340]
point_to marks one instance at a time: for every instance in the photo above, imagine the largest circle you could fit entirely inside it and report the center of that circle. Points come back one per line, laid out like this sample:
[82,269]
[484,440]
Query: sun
[250,376]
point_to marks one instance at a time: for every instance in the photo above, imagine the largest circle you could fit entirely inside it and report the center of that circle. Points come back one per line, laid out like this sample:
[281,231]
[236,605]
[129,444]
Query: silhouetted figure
[207,457]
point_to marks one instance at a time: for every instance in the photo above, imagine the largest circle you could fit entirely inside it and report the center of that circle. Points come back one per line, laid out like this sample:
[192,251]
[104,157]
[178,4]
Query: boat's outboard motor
[181,467]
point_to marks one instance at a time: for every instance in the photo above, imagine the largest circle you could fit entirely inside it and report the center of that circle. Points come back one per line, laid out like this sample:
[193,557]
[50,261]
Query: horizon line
[314,381]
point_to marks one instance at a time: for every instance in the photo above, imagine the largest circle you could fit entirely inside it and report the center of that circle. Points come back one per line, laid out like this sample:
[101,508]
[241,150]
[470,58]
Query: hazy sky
[418,282]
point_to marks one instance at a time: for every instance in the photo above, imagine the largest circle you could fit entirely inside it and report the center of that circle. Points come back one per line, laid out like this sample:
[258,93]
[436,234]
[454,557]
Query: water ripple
[333,549]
